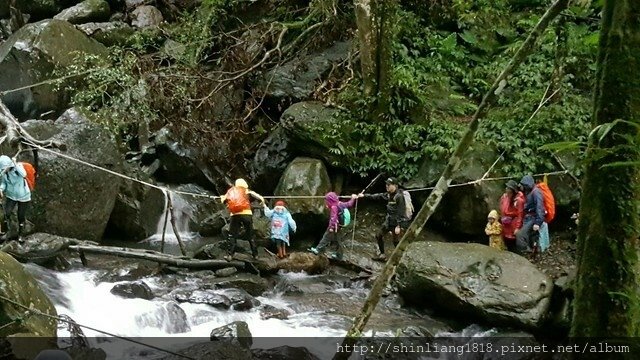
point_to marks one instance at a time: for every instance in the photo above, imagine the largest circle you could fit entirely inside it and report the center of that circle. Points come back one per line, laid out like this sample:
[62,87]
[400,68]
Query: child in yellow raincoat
[494,231]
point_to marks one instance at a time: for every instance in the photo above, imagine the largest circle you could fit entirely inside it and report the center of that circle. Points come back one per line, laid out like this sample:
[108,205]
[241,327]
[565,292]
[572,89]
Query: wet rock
[18,285]
[146,16]
[475,280]
[49,42]
[212,251]
[297,262]
[240,299]
[133,290]
[170,318]
[38,248]
[464,209]
[224,348]
[300,133]
[297,79]
[305,177]
[285,287]
[252,284]
[108,33]
[238,332]
[137,208]
[284,353]
[272,157]
[86,11]
[132,4]
[72,199]
[211,298]
[226,272]
[272,312]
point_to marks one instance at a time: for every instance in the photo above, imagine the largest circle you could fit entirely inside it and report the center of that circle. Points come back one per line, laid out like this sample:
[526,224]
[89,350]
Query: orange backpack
[549,201]
[237,200]
[31,175]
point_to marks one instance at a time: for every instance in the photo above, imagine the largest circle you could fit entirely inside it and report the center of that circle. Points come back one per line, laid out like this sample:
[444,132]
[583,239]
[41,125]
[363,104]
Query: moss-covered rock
[108,33]
[477,281]
[72,199]
[30,55]
[20,287]
[86,11]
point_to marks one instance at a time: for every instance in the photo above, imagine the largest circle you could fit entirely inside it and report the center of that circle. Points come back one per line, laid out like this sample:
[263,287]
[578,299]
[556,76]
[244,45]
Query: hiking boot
[381,257]
[228,257]
[313,250]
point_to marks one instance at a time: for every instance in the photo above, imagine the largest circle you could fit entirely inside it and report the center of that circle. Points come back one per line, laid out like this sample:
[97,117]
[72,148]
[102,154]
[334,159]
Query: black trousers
[236,225]
[388,227]
[9,206]
[330,238]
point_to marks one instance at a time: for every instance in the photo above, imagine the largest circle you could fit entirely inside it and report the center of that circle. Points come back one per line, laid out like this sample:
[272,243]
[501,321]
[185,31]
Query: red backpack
[31,175]
[237,200]
[549,201]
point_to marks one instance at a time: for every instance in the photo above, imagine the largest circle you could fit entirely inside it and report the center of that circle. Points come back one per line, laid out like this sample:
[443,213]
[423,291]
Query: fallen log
[150,255]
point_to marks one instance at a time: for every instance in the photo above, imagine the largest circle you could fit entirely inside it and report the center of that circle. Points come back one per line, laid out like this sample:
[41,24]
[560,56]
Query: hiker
[336,209]
[281,222]
[238,201]
[396,220]
[527,236]
[512,211]
[16,193]
[494,231]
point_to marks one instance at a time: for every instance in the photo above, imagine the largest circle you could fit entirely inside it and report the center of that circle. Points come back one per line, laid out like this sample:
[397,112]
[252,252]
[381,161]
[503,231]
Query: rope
[161,188]
[45,82]
[474,182]
[71,322]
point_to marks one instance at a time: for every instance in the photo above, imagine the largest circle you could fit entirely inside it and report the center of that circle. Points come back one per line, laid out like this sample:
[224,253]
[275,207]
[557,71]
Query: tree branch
[15,134]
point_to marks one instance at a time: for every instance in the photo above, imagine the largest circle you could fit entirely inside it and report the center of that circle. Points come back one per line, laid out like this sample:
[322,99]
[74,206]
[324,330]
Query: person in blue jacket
[15,192]
[527,236]
[281,222]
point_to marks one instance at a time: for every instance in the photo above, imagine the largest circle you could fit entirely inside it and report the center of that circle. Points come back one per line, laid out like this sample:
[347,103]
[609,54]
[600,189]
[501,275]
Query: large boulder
[21,288]
[86,11]
[297,79]
[133,290]
[463,209]
[30,55]
[475,281]
[301,133]
[72,199]
[39,248]
[108,33]
[305,177]
[137,208]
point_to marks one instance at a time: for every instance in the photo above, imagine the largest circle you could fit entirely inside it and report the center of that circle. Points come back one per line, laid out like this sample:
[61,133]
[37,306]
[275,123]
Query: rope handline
[473,182]
[543,101]
[62,319]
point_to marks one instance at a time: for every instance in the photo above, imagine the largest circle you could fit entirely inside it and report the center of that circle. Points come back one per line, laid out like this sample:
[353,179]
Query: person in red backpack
[512,210]
[527,236]
[238,200]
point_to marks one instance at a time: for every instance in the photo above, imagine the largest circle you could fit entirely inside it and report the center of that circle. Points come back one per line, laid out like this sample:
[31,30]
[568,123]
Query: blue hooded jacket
[534,206]
[13,182]
[280,224]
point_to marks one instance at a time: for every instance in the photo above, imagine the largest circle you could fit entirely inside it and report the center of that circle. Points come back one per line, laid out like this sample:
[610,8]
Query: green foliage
[439,76]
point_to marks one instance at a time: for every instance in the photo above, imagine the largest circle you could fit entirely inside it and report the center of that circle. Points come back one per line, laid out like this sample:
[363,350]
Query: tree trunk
[157,257]
[606,299]
[386,11]
[367,38]
[558,63]
[443,183]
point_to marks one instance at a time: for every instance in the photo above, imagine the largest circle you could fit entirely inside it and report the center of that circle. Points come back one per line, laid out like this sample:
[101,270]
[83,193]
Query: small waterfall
[183,212]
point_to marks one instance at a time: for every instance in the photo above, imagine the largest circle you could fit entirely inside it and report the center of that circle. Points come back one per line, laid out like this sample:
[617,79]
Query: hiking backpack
[344,217]
[549,201]
[408,205]
[237,200]
[31,175]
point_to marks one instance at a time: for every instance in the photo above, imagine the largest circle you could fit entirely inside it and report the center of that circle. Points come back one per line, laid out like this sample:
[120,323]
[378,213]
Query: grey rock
[86,11]
[238,332]
[133,290]
[146,16]
[475,280]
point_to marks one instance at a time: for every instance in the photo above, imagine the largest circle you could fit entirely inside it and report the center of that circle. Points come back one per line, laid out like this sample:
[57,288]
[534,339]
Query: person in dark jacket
[527,235]
[396,221]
